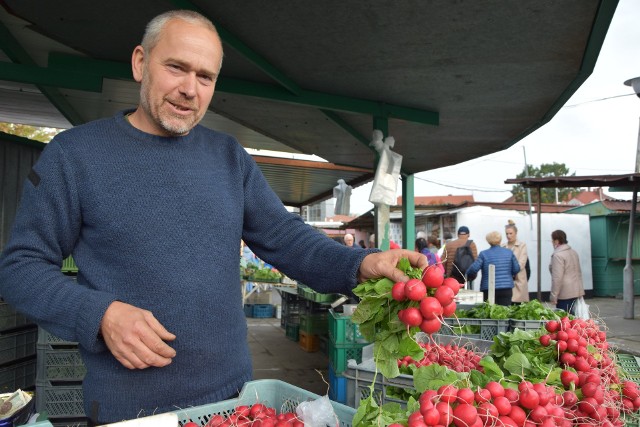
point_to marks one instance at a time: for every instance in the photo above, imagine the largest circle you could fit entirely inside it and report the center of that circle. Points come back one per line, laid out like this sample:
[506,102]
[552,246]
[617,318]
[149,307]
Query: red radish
[430,326]
[552,326]
[506,421]
[487,412]
[191,424]
[502,404]
[518,415]
[445,295]
[397,292]
[415,290]
[449,310]
[412,316]
[452,283]
[569,398]
[512,395]
[529,398]
[431,416]
[465,395]
[465,415]
[446,413]
[544,340]
[430,308]
[495,388]
[433,277]
[482,396]
[538,414]
[448,393]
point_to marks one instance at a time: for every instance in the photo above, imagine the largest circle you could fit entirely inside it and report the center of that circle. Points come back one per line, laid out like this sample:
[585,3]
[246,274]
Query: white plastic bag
[385,182]
[581,309]
[317,413]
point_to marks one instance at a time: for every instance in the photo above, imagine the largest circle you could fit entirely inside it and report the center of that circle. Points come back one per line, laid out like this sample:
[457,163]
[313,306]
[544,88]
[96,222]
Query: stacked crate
[18,336]
[345,343]
[314,316]
[59,375]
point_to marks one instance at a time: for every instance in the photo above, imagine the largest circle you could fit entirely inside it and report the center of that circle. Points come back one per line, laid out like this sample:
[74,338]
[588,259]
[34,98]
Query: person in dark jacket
[506,266]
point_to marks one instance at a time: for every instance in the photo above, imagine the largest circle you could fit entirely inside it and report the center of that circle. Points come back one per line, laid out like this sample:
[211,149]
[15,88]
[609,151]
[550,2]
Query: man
[348,240]
[153,208]
[451,247]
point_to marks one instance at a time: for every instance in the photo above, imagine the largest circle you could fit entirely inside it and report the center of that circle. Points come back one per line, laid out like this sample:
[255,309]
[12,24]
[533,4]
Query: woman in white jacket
[520,281]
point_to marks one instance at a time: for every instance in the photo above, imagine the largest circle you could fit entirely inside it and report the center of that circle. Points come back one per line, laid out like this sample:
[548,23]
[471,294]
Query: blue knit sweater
[506,267]
[156,222]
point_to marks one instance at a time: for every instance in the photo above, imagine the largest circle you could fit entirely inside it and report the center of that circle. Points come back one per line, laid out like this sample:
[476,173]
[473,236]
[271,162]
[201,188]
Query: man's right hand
[136,338]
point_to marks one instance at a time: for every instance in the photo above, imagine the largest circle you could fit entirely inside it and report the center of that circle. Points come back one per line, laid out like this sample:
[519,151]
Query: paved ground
[623,334]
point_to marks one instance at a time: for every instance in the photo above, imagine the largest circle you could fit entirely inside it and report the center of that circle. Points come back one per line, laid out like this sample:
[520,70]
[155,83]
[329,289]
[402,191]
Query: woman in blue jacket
[506,266]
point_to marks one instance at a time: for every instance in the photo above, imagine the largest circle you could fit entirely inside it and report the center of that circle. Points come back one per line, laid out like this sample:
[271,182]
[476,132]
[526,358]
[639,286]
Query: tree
[31,132]
[548,194]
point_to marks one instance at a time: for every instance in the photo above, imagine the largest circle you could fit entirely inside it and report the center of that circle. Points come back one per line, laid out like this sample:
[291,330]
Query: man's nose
[189,84]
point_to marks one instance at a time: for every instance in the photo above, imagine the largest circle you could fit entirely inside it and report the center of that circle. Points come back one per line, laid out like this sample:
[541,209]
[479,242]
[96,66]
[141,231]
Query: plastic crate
[11,319]
[18,345]
[262,310]
[59,364]
[629,365]
[339,355]
[526,325]
[342,330]
[337,386]
[273,393]
[248,310]
[362,375]
[308,342]
[293,332]
[311,295]
[20,375]
[45,337]
[316,323]
[312,307]
[69,266]
[485,329]
[60,399]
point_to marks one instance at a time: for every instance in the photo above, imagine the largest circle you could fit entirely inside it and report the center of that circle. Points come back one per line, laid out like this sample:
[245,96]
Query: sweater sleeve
[282,239]
[44,232]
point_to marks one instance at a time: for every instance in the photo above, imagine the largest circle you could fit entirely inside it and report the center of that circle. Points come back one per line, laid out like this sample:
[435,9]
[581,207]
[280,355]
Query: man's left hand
[383,264]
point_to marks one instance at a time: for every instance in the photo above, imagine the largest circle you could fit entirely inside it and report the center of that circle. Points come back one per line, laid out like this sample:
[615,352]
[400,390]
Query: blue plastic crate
[337,386]
[262,310]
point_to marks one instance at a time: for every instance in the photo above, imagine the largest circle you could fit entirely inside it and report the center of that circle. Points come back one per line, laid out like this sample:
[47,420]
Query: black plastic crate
[19,375]
[44,337]
[11,319]
[17,345]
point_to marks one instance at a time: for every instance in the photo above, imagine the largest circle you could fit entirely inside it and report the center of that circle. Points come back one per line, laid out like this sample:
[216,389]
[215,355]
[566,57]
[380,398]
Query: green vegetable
[377,315]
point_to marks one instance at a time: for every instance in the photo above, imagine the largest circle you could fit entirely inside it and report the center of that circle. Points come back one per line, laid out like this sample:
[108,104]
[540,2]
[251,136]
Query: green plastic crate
[314,324]
[630,366]
[273,393]
[69,265]
[342,330]
[293,331]
[339,355]
[311,295]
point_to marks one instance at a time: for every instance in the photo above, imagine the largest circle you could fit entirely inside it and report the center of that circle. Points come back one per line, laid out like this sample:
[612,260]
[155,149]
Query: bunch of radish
[454,357]
[256,415]
[590,370]
[528,405]
[428,300]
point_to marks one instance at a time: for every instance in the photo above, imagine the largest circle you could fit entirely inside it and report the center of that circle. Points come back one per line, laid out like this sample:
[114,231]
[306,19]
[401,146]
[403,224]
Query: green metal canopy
[450,81]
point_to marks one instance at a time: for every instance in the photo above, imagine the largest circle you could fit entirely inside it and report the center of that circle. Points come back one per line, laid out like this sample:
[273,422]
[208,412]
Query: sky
[594,133]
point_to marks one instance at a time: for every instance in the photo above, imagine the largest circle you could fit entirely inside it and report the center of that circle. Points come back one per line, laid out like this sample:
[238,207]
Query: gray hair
[153,31]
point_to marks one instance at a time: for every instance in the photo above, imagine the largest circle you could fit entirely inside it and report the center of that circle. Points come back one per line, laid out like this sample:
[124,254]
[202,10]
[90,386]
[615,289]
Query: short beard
[170,128]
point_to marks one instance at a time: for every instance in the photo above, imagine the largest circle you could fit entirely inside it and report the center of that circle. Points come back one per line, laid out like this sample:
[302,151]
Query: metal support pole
[628,293]
[539,266]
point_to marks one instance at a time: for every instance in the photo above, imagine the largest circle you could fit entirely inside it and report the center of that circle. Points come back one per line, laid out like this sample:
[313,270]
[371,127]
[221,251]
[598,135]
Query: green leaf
[491,368]
[517,364]
[432,377]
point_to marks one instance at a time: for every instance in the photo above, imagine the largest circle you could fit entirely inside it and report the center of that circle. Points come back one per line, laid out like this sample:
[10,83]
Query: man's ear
[137,63]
